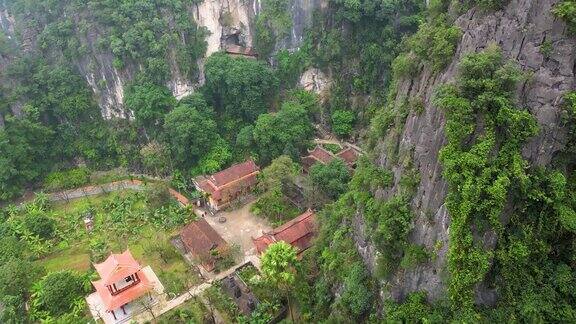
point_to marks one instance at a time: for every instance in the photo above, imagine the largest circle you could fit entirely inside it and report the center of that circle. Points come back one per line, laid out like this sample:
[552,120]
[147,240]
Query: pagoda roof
[117,267]
[113,302]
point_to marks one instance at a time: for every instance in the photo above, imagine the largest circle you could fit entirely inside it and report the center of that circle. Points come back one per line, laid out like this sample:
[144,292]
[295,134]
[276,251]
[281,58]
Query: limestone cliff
[227,21]
[520,29]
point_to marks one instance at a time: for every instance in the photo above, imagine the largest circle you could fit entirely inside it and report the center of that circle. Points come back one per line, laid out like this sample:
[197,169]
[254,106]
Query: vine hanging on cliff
[481,162]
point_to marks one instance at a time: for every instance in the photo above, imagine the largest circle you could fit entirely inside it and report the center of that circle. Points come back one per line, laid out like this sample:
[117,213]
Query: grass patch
[333,148]
[74,258]
[192,311]
[122,219]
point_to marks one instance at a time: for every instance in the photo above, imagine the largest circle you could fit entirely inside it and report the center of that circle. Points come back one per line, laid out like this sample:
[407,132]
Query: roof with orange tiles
[298,232]
[113,302]
[117,267]
[233,173]
[178,196]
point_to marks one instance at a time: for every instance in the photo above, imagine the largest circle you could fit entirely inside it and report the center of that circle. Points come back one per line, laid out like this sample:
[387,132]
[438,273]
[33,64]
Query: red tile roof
[240,50]
[200,239]
[233,173]
[349,155]
[180,197]
[226,183]
[298,232]
[114,302]
[321,154]
[117,267]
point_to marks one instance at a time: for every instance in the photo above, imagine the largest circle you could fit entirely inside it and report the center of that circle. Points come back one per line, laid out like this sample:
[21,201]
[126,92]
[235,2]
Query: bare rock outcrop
[520,29]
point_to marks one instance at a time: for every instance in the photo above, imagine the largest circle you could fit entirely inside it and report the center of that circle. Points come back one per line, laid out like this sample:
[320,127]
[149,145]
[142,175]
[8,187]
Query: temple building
[122,283]
[298,232]
[237,50]
[319,154]
[203,243]
[224,187]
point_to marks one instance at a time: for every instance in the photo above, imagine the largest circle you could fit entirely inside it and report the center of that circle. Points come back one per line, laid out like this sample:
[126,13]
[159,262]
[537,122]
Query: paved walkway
[339,143]
[164,306]
[194,291]
[109,187]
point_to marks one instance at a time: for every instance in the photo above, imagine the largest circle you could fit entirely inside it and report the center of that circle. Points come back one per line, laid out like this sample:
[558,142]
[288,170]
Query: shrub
[404,65]
[413,255]
[566,10]
[58,293]
[435,43]
[158,195]
[331,178]
[342,121]
[68,179]
[40,224]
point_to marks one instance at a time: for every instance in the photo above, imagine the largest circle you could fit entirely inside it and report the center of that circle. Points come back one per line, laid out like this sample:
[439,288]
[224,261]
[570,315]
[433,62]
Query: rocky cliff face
[520,29]
[228,22]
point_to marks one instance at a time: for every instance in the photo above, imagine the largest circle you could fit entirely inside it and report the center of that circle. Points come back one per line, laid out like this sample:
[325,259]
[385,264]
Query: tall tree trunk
[290,307]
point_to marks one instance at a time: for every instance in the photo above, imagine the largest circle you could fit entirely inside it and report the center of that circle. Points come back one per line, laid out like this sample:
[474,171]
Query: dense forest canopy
[512,222]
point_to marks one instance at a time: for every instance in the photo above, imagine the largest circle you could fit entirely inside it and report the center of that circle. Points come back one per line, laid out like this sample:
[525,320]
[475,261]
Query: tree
[58,293]
[272,203]
[40,224]
[238,87]
[286,132]
[279,267]
[214,160]
[156,158]
[10,247]
[24,143]
[331,178]
[342,121]
[274,206]
[245,139]
[16,278]
[282,170]
[190,134]
[149,102]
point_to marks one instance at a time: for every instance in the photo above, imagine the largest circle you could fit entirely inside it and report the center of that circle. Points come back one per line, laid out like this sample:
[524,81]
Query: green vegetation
[143,32]
[190,133]
[59,293]
[222,302]
[415,309]
[52,239]
[342,122]
[149,102]
[272,203]
[414,255]
[482,167]
[273,23]
[239,88]
[279,266]
[72,178]
[566,10]
[192,311]
[332,178]
[334,263]
[434,43]
[287,132]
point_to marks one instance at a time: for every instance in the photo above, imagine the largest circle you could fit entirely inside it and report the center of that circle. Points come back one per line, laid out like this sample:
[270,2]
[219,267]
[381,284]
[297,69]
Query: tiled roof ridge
[301,218]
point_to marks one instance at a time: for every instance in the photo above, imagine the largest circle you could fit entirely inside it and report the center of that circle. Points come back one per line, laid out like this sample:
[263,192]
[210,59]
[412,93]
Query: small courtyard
[240,227]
